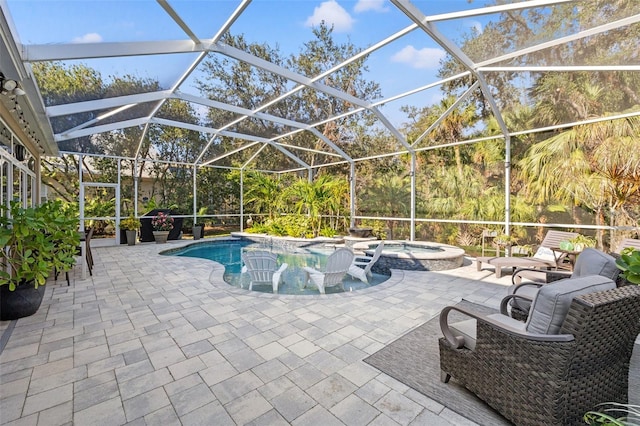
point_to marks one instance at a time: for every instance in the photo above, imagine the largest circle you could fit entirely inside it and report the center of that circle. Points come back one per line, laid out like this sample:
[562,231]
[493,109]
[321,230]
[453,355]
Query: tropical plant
[292,225]
[201,212]
[593,165]
[582,241]
[162,222]
[629,264]
[263,194]
[316,198]
[130,224]
[450,129]
[390,196]
[99,204]
[377,228]
[150,204]
[327,232]
[615,414]
[36,241]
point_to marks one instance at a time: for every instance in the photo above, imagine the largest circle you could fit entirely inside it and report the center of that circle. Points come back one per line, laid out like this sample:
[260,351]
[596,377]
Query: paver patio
[163,340]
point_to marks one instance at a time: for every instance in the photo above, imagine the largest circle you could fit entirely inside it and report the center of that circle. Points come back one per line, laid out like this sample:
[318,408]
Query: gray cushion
[595,262]
[468,328]
[529,291]
[551,305]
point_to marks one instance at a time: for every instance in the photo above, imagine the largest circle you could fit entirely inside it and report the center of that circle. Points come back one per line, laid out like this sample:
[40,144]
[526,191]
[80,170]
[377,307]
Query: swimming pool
[229,252]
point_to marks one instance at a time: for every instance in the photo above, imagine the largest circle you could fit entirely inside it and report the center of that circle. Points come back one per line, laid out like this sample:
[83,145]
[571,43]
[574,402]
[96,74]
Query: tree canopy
[585,173]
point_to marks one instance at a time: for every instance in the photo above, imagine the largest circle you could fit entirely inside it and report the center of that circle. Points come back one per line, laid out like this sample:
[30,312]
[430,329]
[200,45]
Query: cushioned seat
[589,262]
[467,328]
[550,306]
[572,353]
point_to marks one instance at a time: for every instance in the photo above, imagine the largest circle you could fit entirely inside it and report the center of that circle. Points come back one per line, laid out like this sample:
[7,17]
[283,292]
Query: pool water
[228,253]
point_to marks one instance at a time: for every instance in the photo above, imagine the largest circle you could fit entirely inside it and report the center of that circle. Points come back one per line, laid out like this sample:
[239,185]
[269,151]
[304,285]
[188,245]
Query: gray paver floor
[156,340]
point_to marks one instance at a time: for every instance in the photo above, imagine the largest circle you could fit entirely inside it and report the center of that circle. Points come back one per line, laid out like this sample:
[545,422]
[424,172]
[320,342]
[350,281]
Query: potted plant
[197,230]
[162,224]
[198,227]
[131,226]
[36,241]
[580,242]
[629,264]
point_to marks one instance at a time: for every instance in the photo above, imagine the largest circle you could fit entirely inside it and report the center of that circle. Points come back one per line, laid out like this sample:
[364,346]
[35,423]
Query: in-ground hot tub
[413,256]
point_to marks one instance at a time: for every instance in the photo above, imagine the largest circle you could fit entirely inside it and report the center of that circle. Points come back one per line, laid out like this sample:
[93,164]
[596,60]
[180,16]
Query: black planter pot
[146,229]
[22,302]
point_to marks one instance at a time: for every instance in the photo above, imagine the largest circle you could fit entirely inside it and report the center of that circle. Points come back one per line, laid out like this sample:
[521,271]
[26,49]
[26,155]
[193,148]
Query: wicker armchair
[534,378]
[590,262]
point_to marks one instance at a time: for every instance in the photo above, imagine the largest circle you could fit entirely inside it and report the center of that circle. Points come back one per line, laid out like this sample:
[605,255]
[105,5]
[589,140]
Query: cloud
[332,14]
[88,38]
[425,58]
[365,5]
[476,25]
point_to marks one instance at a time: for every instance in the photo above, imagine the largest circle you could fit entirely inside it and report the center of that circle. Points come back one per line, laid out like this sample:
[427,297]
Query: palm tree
[451,129]
[388,195]
[595,165]
[264,193]
[338,202]
[316,198]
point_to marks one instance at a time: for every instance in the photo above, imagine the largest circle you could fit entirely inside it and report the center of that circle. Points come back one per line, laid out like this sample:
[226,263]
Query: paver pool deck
[160,340]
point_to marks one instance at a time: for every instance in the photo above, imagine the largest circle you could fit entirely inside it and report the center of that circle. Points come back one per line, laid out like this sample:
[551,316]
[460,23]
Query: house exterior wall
[19,163]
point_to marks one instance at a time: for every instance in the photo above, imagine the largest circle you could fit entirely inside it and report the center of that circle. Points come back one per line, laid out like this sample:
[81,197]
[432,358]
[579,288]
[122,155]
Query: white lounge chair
[262,267]
[361,266]
[337,266]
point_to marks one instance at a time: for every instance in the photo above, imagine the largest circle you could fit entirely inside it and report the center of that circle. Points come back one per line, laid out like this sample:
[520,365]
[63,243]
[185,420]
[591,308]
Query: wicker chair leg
[444,377]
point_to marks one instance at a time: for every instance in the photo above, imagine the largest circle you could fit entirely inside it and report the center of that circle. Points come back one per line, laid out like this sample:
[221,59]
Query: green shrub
[36,241]
[296,225]
[328,232]
[130,224]
[292,225]
[629,264]
[258,228]
[378,228]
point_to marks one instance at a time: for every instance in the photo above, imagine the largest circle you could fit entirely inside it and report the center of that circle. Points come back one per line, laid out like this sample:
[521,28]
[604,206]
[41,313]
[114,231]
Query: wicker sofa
[551,369]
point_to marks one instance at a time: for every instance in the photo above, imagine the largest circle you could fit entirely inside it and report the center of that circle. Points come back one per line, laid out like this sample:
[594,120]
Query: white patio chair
[262,267]
[361,266]
[337,266]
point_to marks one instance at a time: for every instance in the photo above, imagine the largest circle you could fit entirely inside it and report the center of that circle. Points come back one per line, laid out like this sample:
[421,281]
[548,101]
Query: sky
[401,66]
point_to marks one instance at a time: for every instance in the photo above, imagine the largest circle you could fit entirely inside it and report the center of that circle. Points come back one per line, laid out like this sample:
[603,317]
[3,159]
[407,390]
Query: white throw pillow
[545,253]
